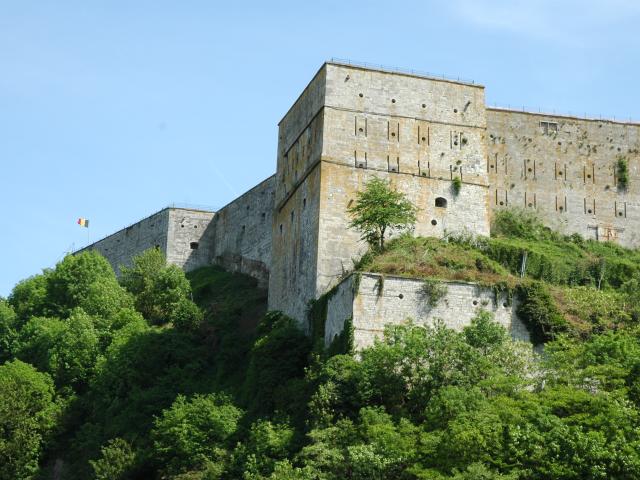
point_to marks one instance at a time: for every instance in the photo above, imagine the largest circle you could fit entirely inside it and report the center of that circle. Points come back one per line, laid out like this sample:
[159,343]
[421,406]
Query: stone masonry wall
[242,233]
[292,278]
[190,234]
[403,298]
[564,168]
[185,236]
[420,134]
[120,247]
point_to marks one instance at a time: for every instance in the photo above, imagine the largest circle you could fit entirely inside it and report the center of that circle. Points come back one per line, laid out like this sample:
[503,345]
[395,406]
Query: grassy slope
[571,268]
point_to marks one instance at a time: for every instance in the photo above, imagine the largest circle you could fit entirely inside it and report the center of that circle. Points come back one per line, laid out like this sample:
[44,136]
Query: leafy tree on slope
[378,209]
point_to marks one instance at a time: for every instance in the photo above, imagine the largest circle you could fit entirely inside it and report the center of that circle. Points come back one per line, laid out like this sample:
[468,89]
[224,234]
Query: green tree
[195,432]
[85,280]
[67,349]
[8,330]
[162,292]
[28,413]
[29,297]
[116,461]
[267,443]
[379,208]
[277,359]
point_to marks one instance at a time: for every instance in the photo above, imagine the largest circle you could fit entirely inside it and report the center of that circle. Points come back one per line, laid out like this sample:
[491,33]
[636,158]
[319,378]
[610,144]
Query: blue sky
[111,110]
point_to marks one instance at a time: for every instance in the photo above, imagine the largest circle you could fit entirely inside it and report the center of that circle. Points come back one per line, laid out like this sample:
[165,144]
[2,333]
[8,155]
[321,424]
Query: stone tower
[353,123]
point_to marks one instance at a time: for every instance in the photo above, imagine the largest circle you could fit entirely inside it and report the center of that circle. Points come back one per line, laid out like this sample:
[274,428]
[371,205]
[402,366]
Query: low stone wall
[372,303]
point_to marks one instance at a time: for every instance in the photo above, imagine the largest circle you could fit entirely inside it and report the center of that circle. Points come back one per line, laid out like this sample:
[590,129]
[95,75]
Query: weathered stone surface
[242,233]
[183,235]
[402,299]
[564,168]
[349,125]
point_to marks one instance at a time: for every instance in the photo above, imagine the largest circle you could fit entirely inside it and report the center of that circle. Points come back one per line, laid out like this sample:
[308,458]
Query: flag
[83,222]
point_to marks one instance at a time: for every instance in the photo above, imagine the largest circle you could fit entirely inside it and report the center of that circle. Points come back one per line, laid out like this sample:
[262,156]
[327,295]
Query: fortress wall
[419,125]
[292,282]
[191,237]
[362,136]
[120,247]
[295,250]
[403,298]
[300,138]
[565,169]
[242,233]
[340,246]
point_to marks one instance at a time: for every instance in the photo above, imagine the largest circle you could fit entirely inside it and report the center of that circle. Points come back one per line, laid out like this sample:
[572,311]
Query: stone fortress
[352,123]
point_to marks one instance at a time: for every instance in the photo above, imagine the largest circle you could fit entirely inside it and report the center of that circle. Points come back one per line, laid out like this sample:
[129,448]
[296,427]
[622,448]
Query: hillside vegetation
[160,376]
[567,285]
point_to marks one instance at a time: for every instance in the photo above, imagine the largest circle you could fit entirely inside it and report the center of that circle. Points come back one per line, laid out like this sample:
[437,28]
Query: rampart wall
[242,233]
[292,281]
[190,236]
[183,235]
[565,169]
[120,247]
[371,303]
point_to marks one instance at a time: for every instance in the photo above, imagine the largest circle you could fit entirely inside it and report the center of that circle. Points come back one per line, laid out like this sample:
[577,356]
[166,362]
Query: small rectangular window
[193,245]
[549,128]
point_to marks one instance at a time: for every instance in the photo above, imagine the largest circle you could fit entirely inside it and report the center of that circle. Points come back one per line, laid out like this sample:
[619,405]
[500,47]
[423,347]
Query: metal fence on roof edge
[387,68]
[553,112]
[391,69]
[193,206]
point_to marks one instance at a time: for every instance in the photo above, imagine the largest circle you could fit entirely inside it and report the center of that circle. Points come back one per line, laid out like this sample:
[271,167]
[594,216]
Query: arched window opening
[441,202]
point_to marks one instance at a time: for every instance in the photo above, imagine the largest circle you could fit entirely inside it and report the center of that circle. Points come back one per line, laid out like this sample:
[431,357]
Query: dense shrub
[28,415]
[195,433]
[539,312]
[519,223]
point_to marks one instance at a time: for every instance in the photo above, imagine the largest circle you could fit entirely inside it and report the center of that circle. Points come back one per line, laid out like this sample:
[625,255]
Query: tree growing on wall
[379,208]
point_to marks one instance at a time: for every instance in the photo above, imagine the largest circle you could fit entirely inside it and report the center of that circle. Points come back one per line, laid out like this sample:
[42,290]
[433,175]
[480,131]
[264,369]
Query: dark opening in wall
[263,215]
[193,245]
[549,128]
[441,202]
[434,222]
[281,229]
[304,203]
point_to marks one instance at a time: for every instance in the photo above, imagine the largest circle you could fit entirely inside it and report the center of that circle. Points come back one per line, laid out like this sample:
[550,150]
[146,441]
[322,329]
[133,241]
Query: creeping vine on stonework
[434,291]
[380,285]
[622,168]
[456,186]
